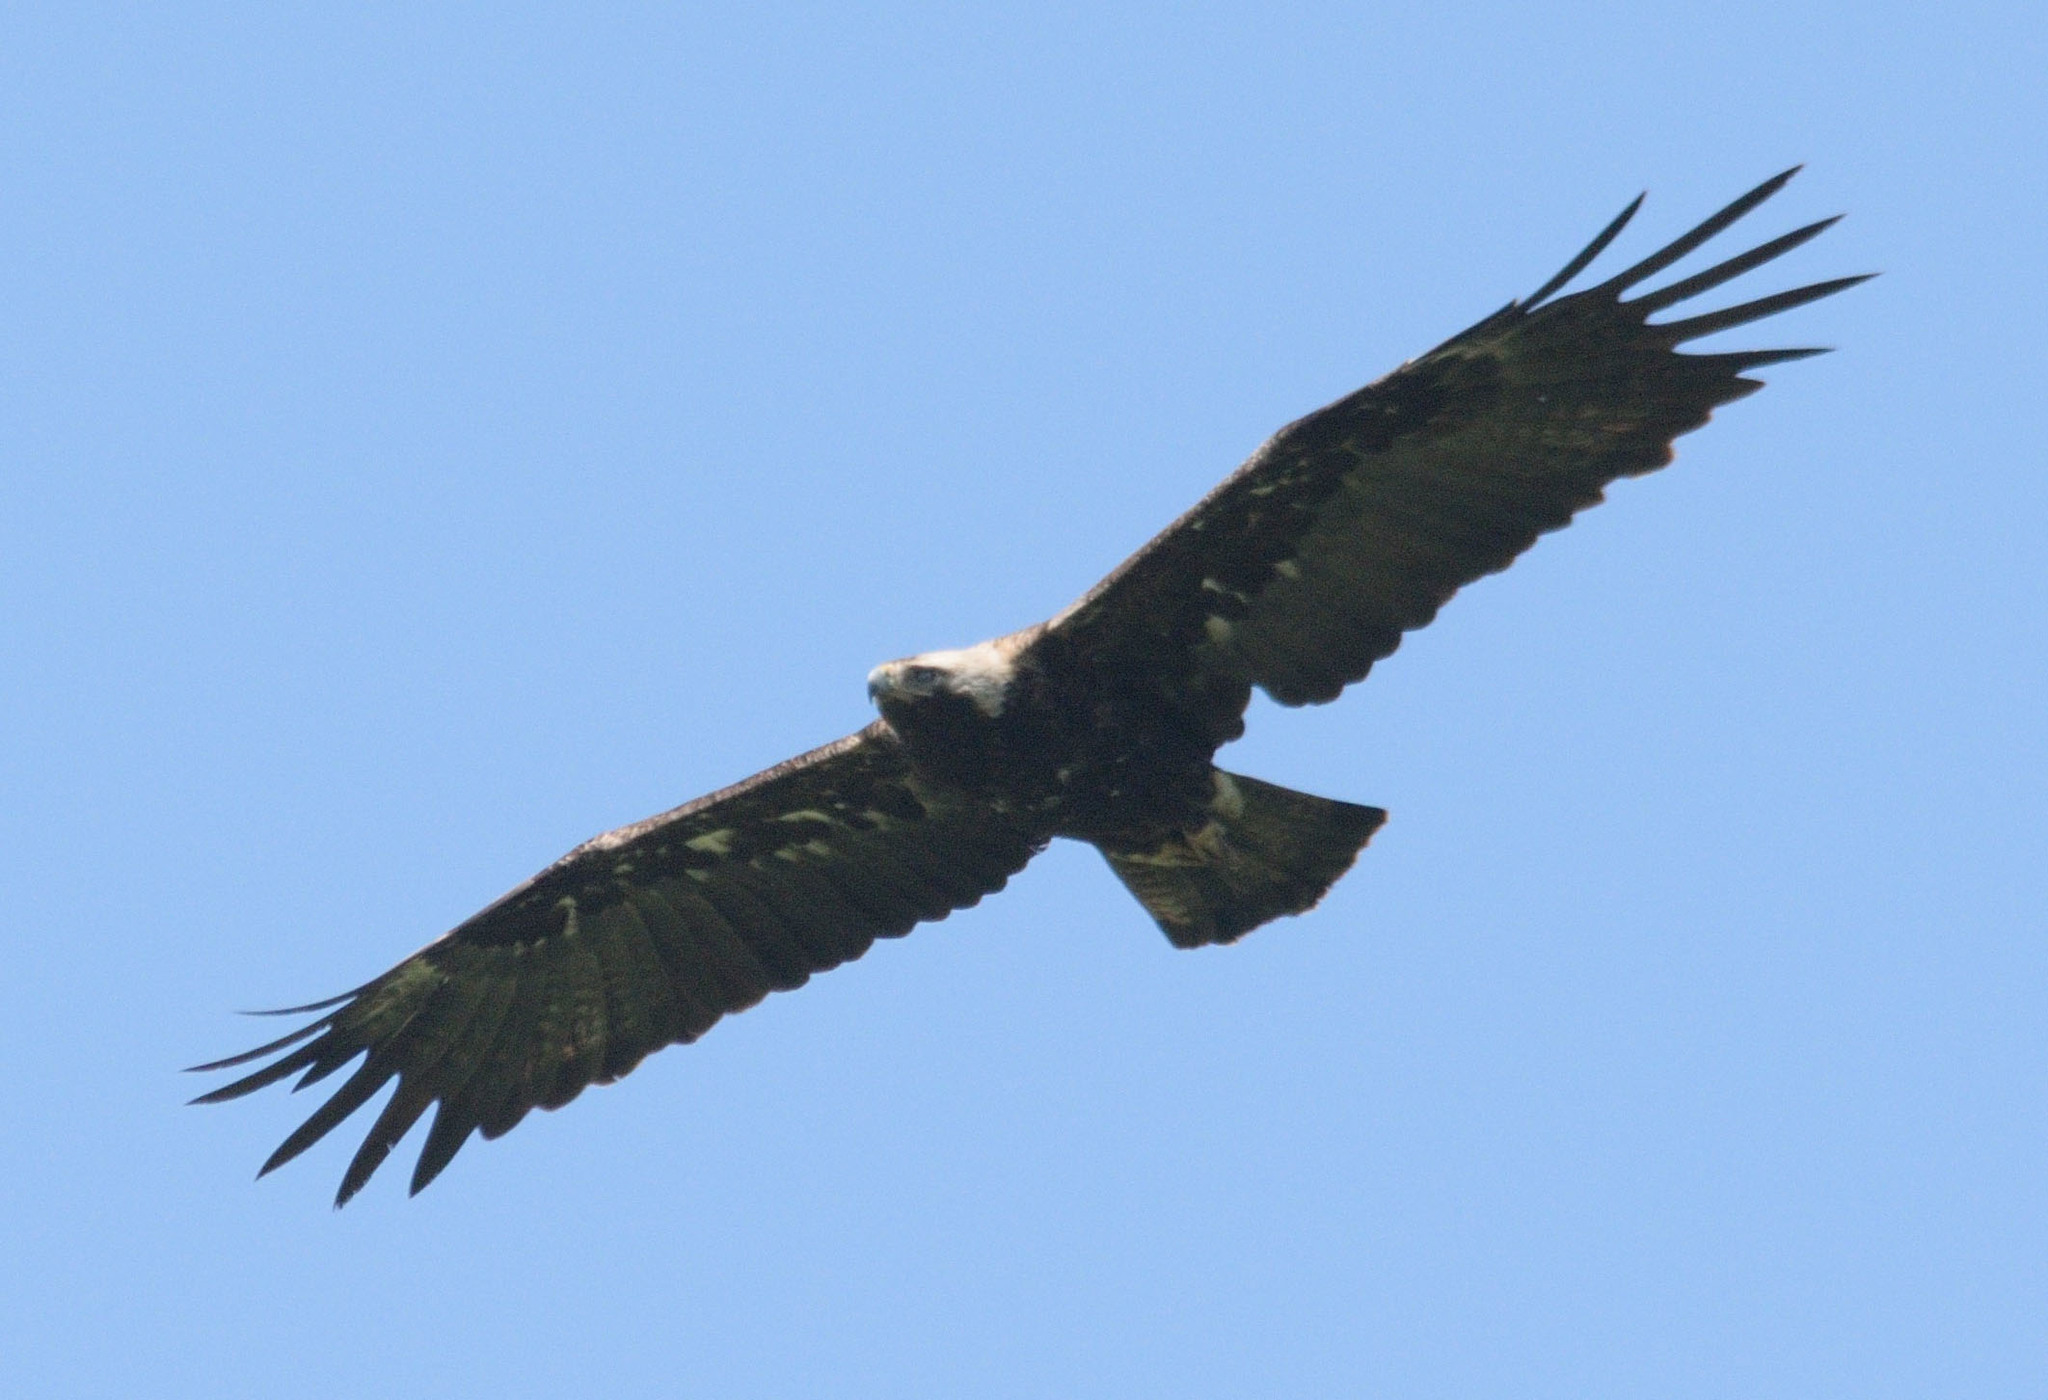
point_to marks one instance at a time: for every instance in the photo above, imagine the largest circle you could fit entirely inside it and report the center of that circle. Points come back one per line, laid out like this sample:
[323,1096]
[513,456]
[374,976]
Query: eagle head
[979,675]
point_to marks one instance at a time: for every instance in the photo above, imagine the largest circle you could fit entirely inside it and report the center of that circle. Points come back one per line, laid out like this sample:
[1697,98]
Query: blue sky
[431,435]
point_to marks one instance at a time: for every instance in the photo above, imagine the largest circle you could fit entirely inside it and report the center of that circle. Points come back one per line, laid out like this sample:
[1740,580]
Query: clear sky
[430,435]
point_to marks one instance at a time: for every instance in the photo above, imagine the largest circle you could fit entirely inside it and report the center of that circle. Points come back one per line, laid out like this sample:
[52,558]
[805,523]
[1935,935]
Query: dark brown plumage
[1346,529]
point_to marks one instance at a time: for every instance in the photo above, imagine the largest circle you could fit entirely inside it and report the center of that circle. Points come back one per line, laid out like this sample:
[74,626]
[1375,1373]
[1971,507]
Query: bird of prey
[1345,529]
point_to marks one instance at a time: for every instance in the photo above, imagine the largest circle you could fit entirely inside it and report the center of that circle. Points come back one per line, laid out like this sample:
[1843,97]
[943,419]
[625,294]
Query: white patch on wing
[716,843]
[1218,629]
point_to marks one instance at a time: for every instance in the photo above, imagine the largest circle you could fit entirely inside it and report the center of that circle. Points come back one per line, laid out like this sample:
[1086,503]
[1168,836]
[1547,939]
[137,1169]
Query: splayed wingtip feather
[1693,328]
[260,1051]
[1695,236]
[1652,302]
[1585,255]
[311,1006]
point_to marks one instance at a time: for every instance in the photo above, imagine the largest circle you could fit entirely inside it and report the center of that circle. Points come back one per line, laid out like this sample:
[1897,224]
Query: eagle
[1347,528]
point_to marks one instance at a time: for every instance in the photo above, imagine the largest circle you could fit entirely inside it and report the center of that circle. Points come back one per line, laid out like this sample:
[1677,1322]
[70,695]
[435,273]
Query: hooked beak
[883,680]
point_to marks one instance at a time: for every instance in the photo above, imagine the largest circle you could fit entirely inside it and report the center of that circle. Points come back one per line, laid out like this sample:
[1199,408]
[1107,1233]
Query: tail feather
[1265,851]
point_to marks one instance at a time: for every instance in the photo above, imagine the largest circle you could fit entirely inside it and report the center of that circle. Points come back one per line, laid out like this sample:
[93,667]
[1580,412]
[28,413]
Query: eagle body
[1025,721]
[1033,726]
[1346,529]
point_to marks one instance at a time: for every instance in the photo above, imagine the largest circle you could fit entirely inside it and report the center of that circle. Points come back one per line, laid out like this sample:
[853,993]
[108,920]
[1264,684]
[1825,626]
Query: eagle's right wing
[1356,523]
[637,939]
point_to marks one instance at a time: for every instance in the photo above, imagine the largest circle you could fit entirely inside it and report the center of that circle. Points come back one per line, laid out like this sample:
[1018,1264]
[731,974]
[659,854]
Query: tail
[1265,851]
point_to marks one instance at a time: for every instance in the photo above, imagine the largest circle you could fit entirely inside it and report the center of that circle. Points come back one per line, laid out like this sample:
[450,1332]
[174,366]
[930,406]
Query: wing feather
[499,1088]
[454,1082]
[703,953]
[640,1005]
[787,962]
[641,938]
[423,1056]
[724,951]
[694,998]
[352,1095]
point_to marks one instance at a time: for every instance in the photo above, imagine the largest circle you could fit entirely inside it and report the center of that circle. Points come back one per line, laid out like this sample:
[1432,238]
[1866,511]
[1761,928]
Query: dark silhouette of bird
[1344,530]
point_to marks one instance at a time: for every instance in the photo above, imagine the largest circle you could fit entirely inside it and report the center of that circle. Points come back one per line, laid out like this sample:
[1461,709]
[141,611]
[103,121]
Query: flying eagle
[1347,528]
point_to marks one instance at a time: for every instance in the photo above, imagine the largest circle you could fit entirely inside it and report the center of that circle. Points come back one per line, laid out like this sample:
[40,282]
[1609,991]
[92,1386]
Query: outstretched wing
[638,939]
[1356,523]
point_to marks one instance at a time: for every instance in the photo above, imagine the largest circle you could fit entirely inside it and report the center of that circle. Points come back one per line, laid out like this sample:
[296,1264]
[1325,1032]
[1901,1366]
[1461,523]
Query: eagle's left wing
[638,939]
[1356,523]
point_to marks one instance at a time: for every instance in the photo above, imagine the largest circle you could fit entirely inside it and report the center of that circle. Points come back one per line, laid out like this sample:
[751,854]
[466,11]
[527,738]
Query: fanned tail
[1265,851]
